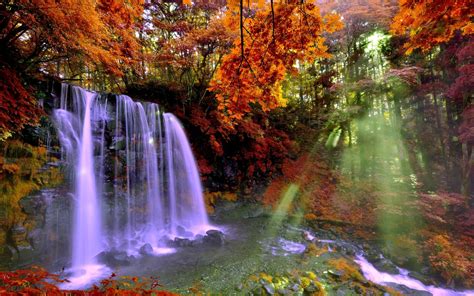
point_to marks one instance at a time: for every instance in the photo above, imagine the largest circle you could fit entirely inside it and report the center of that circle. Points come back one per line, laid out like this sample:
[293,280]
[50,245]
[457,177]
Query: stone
[336,273]
[146,249]
[198,239]
[114,258]
[183,232]
[32,205]
[35,238]
[18,235]
[269,288]
[180,230]
[407,291]
[214,237]
[425,279]
[182,242]
[385,265]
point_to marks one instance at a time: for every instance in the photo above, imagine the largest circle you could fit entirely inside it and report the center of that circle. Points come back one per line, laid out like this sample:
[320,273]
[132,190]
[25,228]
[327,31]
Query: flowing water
[156,193]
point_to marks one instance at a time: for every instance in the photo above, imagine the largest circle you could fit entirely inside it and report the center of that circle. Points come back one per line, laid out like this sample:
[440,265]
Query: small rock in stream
[385,265]
[407,291]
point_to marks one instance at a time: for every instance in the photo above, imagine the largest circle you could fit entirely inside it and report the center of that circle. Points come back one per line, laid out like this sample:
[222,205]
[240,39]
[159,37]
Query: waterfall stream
[136,179]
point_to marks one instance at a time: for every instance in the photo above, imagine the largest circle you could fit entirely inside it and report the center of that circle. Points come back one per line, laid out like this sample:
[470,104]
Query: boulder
[385,265]
[146,249]
[214,237]
[114,258]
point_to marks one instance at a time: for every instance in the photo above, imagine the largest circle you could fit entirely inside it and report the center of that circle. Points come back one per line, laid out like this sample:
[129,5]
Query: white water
[156,190]
[371,273]
[87,217]
[376,276]
[184,185]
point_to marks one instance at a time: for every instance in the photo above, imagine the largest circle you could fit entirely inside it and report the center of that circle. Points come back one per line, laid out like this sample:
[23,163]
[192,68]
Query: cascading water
[87,218]
[136,182]
[74,121]
[184,186]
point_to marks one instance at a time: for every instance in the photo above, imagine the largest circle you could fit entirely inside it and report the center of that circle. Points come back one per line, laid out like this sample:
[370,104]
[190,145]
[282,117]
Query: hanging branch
[273,20]
[242,29]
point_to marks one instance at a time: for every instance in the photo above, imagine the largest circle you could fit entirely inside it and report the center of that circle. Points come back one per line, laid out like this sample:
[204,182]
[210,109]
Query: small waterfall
[138,127]
[87,216]
[136,179]
[184,186]
[75,119]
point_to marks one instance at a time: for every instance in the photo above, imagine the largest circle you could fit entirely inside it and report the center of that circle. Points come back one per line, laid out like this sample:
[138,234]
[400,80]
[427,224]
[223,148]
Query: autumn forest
[231,147]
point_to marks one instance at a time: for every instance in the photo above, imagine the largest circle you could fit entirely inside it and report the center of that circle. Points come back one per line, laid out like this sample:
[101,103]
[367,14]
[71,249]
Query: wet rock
[180,230]
[32,205]
[407,291]
[269,288]
[166,240]
[182,242]
[146,249]
[35,238]
[385,265]
[425,279]
[18,235]
[114,258]
[26,254]
[307,236]
[214,237]
[198,240]
[336,273]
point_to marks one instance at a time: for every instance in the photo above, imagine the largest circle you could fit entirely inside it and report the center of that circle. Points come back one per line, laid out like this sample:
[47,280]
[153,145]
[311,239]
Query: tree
[252,73]
[44,37]
[429,23]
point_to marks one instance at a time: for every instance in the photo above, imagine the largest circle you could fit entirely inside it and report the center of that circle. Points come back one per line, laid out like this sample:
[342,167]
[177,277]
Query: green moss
[20,175]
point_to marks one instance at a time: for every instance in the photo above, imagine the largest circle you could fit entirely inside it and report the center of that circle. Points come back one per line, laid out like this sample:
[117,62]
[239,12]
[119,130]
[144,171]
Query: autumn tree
[252,74]
[63,39]
[428,23]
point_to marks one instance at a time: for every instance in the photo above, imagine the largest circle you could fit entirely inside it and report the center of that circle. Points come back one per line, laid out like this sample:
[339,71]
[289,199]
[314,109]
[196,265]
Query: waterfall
[184,186]
[136,179]
[87,218]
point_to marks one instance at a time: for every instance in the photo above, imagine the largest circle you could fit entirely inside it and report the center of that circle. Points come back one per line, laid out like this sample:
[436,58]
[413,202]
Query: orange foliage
[270,50]
[38,281]
[35,280]
[101,30]
[36,36]
[450,261]
[17,106]
[428,23]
